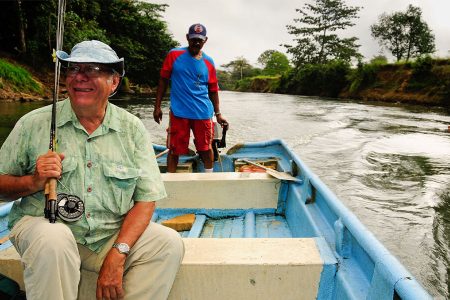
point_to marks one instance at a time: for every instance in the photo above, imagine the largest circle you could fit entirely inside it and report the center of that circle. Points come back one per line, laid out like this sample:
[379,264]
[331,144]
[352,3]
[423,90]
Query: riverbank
[426,83]
[19,82]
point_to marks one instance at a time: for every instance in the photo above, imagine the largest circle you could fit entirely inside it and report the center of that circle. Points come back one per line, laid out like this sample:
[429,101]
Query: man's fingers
[112,293]
[99,294]
[120,293]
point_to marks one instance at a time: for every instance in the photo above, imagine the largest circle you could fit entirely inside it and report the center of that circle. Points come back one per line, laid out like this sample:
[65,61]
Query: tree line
[322,59]
[138,32]
[133,28]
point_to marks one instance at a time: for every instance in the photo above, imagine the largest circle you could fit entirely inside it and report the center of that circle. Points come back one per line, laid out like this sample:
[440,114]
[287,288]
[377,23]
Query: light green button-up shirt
[108,170]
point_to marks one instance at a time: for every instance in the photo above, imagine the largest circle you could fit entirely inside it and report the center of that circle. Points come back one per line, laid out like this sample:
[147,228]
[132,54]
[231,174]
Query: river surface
[389,164]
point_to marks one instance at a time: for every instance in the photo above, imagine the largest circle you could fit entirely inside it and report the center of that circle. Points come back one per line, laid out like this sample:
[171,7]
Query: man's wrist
[123,248]
[217,113]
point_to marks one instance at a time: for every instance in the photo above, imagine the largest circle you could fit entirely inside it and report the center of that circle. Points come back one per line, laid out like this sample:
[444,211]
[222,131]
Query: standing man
[194,99]
[107,160]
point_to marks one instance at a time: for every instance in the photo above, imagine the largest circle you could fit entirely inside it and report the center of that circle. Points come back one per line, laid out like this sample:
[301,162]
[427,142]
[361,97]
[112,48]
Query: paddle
[162,153]
[274,173]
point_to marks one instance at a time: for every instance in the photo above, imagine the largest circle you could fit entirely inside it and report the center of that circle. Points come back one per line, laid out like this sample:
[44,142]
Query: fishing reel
[219,140]
[70,208]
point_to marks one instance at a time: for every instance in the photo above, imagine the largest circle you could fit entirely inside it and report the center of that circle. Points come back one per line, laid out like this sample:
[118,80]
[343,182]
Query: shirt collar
[65,114]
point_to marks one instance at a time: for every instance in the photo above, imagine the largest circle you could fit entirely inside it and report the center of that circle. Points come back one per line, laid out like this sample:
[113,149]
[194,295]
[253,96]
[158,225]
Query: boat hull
[259,237]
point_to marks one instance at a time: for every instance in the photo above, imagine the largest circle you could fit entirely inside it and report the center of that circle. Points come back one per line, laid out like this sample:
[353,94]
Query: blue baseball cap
[93,52]
[197,31]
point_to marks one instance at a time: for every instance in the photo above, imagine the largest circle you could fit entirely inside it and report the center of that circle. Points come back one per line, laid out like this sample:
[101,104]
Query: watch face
[123,248]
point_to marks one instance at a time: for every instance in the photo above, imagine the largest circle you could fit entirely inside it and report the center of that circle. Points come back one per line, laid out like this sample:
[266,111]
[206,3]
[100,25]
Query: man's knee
[46,238]
[174,245]
[168,242]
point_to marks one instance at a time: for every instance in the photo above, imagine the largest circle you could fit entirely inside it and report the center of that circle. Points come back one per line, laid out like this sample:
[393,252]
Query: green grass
[20,78]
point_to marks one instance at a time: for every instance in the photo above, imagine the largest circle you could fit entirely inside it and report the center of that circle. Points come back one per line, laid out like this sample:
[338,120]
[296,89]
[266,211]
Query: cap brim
[197,36]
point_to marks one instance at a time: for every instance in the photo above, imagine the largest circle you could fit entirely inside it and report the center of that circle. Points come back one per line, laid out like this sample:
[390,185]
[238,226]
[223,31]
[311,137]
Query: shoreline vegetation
[322,62]
[425,81]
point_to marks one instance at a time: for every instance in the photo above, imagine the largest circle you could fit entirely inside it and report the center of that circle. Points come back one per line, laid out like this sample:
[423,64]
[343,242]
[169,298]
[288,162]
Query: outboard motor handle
[219,141]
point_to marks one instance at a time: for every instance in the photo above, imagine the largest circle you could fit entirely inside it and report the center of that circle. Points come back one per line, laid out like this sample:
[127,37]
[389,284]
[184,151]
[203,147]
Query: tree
[274,62]
[404,34]
[317,40]
[138,33]
[133,28]
[239,67]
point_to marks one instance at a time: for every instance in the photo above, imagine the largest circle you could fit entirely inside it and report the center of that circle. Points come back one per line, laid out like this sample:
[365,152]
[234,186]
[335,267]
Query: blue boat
[277,234]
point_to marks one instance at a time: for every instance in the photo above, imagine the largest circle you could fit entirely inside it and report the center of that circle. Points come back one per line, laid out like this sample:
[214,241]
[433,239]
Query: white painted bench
[227,190]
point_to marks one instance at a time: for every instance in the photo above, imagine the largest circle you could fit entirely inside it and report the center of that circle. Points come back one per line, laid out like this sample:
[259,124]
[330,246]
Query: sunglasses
[90,70]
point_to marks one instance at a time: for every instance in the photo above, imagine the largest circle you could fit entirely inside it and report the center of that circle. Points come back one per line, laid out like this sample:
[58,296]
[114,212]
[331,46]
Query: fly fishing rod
[50,210]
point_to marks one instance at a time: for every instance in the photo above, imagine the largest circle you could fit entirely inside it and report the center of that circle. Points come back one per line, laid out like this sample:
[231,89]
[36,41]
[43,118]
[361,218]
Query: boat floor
[250,224]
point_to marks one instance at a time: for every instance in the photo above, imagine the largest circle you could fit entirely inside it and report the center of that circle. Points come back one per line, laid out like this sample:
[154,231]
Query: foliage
[133,28]
[18,77]
[265,57]
[320,80]
[225,80]
[243,85]
[77,29]
[422,74]
[240,68]
[138,34]
[422,66]
[404,34]
[364,75]
[274,62]
[317,38]
[379,60]
[265,84]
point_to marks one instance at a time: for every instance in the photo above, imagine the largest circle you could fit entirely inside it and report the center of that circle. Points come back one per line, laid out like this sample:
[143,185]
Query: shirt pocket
[69,164]
[122,182]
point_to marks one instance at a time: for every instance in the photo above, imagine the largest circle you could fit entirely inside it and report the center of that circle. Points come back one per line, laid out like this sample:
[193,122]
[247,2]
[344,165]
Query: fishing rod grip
[50,200]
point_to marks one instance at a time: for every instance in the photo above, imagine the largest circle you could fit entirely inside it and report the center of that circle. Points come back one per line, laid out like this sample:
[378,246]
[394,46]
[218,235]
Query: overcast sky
[249,27]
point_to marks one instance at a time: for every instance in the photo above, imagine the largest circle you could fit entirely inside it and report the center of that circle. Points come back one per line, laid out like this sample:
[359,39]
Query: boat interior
[255,236]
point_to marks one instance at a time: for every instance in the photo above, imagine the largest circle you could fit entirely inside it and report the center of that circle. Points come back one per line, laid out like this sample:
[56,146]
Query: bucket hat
[93,52]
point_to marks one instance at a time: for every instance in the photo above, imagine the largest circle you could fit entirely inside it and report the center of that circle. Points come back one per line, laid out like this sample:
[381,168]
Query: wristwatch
[122,247]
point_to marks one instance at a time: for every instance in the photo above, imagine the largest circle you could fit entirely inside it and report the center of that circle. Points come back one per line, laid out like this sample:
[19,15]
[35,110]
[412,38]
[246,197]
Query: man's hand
[109,282]
[157,115]
[48,166]
[222,121]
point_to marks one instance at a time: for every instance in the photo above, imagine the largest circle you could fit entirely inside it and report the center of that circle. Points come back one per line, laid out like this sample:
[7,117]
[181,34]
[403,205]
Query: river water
[389,164]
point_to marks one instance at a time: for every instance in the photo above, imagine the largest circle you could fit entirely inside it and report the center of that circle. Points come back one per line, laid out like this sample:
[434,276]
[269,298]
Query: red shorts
[178,134]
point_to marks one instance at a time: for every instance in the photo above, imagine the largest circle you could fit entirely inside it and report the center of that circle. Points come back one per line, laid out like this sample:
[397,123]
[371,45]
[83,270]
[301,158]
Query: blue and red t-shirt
[191,81]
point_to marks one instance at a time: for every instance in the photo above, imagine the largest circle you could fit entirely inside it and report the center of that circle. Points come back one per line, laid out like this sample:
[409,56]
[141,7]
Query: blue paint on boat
[365,268]
[250,225]
[197,227]
[355,264]
[330,265]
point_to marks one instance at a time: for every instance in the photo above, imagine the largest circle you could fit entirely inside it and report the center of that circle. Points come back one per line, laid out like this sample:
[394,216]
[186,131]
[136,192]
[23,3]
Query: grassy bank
[425,81]
[17,83]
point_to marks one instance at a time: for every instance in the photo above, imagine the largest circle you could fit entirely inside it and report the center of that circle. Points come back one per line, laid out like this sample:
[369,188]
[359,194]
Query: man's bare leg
[172,162]
[207,158]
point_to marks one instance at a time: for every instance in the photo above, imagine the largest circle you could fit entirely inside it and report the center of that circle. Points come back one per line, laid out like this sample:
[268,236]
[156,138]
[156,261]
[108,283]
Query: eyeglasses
[89,70]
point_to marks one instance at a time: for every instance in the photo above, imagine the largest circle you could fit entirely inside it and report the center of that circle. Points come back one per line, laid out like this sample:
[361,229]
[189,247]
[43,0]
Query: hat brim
[118,64]
[197,36]
[84,59]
